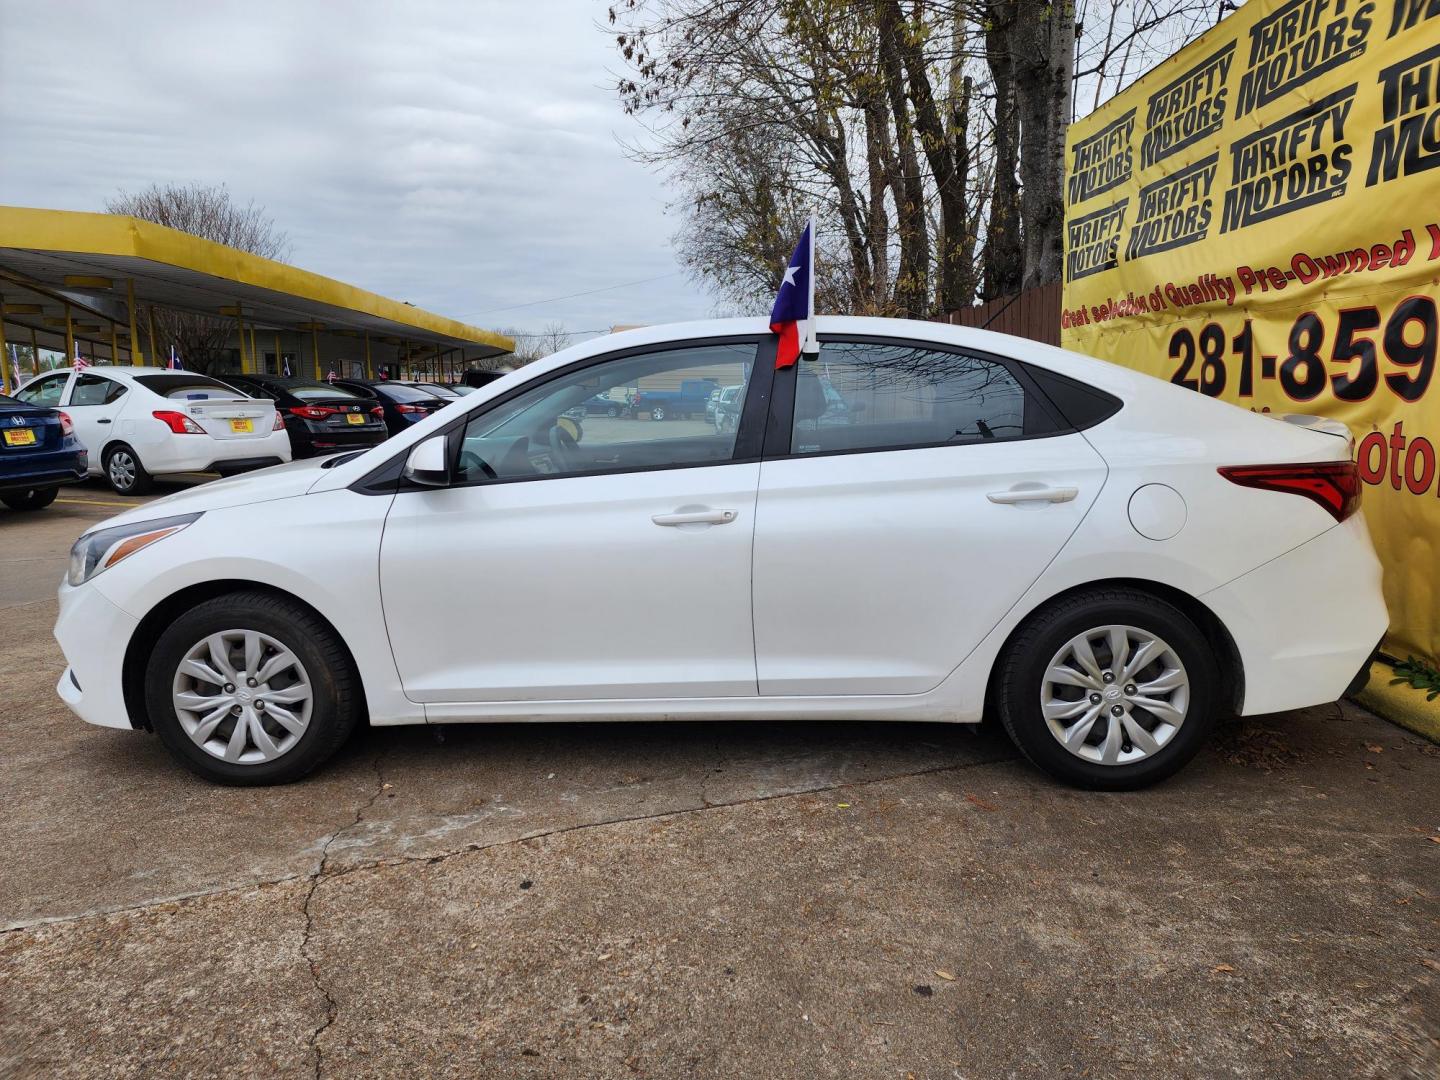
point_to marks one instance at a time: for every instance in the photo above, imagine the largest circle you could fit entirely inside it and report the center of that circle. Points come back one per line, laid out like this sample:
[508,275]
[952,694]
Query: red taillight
[409,408]
[279,424]
[378,410]
[177,422]
[313,412]
[1335,485]
[67,426]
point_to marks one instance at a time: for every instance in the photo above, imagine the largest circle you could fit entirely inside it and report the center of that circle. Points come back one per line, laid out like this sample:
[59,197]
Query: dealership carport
[100,279]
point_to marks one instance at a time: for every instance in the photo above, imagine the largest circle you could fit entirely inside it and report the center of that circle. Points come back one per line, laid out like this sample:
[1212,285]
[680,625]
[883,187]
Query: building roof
[48,257]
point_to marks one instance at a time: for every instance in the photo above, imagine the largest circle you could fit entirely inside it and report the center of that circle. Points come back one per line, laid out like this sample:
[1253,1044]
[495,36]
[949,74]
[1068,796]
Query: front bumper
[93,634]
[1306,622]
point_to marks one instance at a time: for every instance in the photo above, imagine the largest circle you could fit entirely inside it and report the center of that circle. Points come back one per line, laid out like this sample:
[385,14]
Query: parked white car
[142,422]
[925,523]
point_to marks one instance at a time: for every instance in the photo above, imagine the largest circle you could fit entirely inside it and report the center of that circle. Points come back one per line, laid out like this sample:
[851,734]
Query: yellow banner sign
[1258,219]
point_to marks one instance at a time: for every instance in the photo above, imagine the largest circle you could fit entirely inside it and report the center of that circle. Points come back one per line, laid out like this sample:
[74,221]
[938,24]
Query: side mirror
[426,464]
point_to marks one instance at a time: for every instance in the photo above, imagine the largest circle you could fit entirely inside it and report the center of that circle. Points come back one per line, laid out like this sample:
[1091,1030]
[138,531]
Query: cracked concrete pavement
[707,900]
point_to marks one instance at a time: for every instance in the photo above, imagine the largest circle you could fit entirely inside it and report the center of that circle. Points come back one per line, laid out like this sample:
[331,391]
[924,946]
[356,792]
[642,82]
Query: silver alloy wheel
[242,696]
[121,470]
[1115,695]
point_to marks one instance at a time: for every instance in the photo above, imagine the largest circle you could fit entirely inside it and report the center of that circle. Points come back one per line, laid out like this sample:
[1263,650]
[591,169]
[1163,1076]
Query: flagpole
[811,344]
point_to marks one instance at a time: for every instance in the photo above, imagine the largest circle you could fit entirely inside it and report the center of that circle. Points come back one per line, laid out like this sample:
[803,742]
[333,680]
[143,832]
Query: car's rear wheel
[657,413]
[250,688]
[1111,689]
[612,412]
[124,471]
[33,499]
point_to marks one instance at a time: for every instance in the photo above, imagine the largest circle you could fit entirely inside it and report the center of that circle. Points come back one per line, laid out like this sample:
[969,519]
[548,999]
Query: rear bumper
[1306,622]
[45,478]
[198,453]
[325,441]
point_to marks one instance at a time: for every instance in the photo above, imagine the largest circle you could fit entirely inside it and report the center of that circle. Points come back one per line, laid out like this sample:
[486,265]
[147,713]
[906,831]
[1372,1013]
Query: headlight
[103,548]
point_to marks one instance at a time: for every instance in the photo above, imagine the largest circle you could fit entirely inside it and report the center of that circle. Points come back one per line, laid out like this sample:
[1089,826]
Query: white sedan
[143,422]
[923,522]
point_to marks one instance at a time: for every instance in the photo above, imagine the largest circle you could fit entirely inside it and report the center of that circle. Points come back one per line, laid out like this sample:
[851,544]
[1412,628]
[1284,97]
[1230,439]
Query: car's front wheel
[124,471]
[657,413]
[1111,689]
[251,688]
[33,499]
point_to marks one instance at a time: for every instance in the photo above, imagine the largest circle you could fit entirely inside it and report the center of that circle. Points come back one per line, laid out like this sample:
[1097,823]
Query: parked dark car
[403,404]
[689,400]
[38,453]
[476,379]
[600,405]
[726,408]
[439,390]
[319,418]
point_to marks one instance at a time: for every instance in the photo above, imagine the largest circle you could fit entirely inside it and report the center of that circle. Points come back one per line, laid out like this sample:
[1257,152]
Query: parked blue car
[38,453]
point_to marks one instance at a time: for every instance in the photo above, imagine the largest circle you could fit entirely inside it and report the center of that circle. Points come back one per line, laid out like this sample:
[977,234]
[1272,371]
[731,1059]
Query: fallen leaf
[843,805]
[603,956]
[945,975]
[1435,839]
[976,800]
[1222,968]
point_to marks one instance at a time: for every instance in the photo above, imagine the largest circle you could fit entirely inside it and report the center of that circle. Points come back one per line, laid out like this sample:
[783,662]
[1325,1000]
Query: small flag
[286,367]
[175,364]
[331,376]
[793,316]
[15,379]
[79,363]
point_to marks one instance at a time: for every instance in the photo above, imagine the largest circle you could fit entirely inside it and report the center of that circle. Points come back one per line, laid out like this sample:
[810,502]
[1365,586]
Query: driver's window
[632,412]
[43,391]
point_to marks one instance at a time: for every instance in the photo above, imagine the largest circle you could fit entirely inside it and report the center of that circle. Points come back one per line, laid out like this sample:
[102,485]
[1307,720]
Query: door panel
[910,495]
[566,588]
[878,573]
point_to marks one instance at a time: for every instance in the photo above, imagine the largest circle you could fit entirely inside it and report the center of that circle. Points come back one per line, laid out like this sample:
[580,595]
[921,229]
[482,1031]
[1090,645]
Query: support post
[315,344]
[136,356]
[6,376]
[154,345]
[34,353]
[369,367]
[114,344]
[69,337]
[279,360]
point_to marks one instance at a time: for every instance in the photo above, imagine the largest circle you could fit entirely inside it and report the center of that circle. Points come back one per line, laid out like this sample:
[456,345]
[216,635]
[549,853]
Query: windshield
[188,387]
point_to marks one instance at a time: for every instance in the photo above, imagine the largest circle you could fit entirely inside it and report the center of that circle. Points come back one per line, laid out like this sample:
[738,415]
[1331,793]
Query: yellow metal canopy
[101,264]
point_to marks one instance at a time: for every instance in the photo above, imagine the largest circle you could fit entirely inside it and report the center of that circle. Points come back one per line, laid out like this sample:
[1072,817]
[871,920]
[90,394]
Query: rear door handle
[1033,494]
[696,517]
[102,421]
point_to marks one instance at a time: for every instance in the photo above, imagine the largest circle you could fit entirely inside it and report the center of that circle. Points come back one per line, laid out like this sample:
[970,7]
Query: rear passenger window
[94,390]
[859,396]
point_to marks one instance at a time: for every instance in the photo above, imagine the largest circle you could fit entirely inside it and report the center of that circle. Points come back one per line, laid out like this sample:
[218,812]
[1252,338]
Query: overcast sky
[460,155]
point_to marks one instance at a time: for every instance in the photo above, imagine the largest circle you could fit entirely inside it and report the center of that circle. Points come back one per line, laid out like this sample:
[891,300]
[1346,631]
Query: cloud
[462,156]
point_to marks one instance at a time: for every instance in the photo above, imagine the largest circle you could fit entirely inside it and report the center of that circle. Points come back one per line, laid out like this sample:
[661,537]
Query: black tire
[337,704]
[33,499]
[1020,677]
[134,480]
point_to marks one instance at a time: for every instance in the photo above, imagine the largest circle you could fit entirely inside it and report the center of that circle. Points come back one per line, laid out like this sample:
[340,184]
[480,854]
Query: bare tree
[208,212]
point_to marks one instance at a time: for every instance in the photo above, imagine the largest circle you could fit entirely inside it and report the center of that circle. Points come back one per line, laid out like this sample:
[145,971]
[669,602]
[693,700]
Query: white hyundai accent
[924,522]
[143,422]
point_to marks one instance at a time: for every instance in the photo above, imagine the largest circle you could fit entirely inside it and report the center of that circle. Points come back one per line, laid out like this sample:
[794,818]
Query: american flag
[79,363]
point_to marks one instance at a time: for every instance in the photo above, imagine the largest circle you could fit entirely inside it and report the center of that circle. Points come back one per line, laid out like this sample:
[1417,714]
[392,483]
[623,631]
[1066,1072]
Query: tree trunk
[877,156]
[1044,57]
[1004,254]
[912,284]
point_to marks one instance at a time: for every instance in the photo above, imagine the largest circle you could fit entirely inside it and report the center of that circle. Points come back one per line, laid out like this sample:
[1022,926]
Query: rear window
[396,392]
[317,391]
[187,387]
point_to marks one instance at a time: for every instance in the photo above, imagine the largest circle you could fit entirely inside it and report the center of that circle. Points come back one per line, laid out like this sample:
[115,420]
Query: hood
[262,485]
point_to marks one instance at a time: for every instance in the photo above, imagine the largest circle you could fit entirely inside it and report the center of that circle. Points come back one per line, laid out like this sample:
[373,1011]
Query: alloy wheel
[121,470]
[1115,695]
[242,696]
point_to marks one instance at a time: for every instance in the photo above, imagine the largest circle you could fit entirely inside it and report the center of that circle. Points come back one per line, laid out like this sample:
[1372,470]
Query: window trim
[73,404]
[387,478]
[779,428]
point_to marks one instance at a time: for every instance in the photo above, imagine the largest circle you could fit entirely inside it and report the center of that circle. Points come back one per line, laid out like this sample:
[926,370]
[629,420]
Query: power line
[571,296]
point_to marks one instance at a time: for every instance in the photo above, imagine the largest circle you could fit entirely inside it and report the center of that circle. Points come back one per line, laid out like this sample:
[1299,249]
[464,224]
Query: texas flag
[175,364]
[793,316]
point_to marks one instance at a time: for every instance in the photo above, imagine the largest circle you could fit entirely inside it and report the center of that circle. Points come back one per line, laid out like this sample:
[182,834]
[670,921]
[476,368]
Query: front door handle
[1033,494]
[102,421]
[696,517]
